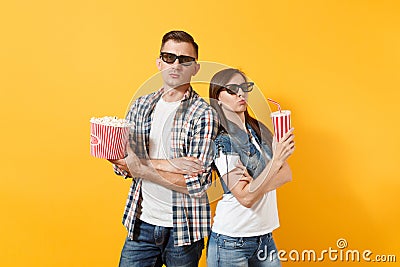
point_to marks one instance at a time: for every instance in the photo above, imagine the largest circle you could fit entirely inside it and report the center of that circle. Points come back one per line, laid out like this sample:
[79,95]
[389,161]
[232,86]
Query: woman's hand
[283,149]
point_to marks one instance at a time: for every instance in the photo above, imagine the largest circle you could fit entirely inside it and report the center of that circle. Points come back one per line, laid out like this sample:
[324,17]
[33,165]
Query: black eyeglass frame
[182,59]
[233,89]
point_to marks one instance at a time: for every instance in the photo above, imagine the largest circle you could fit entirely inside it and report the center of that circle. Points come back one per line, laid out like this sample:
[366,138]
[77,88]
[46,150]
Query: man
[167,214]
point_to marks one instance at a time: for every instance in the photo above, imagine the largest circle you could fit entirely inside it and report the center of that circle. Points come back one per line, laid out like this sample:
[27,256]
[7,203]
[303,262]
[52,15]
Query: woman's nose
[241,93]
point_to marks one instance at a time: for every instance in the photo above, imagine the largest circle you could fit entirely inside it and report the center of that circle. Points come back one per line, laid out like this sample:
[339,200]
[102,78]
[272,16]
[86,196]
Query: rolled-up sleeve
[201,146]
[130,118]
[120,172]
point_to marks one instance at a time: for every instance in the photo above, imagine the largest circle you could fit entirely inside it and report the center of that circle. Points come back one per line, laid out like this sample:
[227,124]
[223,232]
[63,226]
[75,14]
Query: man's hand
[130,165]
[121,164]
[133,164]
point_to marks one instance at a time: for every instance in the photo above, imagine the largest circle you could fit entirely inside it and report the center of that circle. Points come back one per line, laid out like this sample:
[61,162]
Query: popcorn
[109,137]
[111,121]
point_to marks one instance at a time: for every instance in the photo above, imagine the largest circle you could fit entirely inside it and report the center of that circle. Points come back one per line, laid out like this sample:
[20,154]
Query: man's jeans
[228,251]
[154,246]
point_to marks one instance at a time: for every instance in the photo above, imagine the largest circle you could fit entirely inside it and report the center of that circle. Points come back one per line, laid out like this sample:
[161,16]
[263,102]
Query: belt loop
[259,241]
[270,235]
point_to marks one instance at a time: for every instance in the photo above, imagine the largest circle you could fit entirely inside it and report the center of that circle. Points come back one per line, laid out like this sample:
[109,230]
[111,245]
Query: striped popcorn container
[282,123]
[108,141]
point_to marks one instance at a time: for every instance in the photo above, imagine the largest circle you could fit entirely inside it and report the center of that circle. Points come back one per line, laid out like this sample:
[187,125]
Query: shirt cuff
[120,172]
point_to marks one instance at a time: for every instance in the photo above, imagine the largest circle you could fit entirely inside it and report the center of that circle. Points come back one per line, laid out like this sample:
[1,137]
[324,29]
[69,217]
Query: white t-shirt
[233,219]
[157,200]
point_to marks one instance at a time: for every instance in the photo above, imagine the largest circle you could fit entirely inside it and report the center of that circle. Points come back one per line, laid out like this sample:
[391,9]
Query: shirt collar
[187,95]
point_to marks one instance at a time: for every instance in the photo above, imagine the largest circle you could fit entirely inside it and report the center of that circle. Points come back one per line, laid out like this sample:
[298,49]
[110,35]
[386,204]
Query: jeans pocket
[231,243]
[143,232]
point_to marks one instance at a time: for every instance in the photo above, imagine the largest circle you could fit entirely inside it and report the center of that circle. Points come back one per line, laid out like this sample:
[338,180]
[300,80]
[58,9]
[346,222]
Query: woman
[251,165]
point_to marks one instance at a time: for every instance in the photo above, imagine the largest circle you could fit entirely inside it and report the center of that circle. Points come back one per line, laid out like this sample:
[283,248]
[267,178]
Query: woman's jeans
[229,251]
[154,246]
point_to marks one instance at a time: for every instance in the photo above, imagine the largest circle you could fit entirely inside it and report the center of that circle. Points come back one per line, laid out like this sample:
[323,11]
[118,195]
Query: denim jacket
[238,142]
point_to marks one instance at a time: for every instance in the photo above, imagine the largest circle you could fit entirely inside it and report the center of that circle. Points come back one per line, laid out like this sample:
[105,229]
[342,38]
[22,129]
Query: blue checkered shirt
[194,128]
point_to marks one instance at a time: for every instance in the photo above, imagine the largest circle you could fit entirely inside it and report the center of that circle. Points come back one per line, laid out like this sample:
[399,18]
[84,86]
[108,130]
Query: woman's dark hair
[217,83]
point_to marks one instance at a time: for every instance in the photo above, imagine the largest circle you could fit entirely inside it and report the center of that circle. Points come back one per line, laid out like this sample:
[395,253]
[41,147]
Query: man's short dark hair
[180,36]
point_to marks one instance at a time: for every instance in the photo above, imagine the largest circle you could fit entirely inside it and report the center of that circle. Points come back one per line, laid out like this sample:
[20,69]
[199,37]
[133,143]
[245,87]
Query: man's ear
[158,63]
[196,68]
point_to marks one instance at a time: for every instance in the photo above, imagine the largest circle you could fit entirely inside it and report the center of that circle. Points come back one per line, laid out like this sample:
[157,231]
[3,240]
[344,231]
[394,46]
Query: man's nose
[176,64]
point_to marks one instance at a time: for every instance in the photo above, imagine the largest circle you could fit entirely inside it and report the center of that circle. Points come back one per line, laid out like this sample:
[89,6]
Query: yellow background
[335,64]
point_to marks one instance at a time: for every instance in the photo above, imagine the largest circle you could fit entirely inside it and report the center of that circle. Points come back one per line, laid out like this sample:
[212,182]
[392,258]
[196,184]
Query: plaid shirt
[194,128]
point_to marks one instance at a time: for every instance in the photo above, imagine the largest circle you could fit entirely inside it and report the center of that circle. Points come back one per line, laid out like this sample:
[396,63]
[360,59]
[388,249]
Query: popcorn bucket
[108,142]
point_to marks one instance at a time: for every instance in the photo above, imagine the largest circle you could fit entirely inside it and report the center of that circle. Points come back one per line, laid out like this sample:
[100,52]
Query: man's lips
[174,75]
